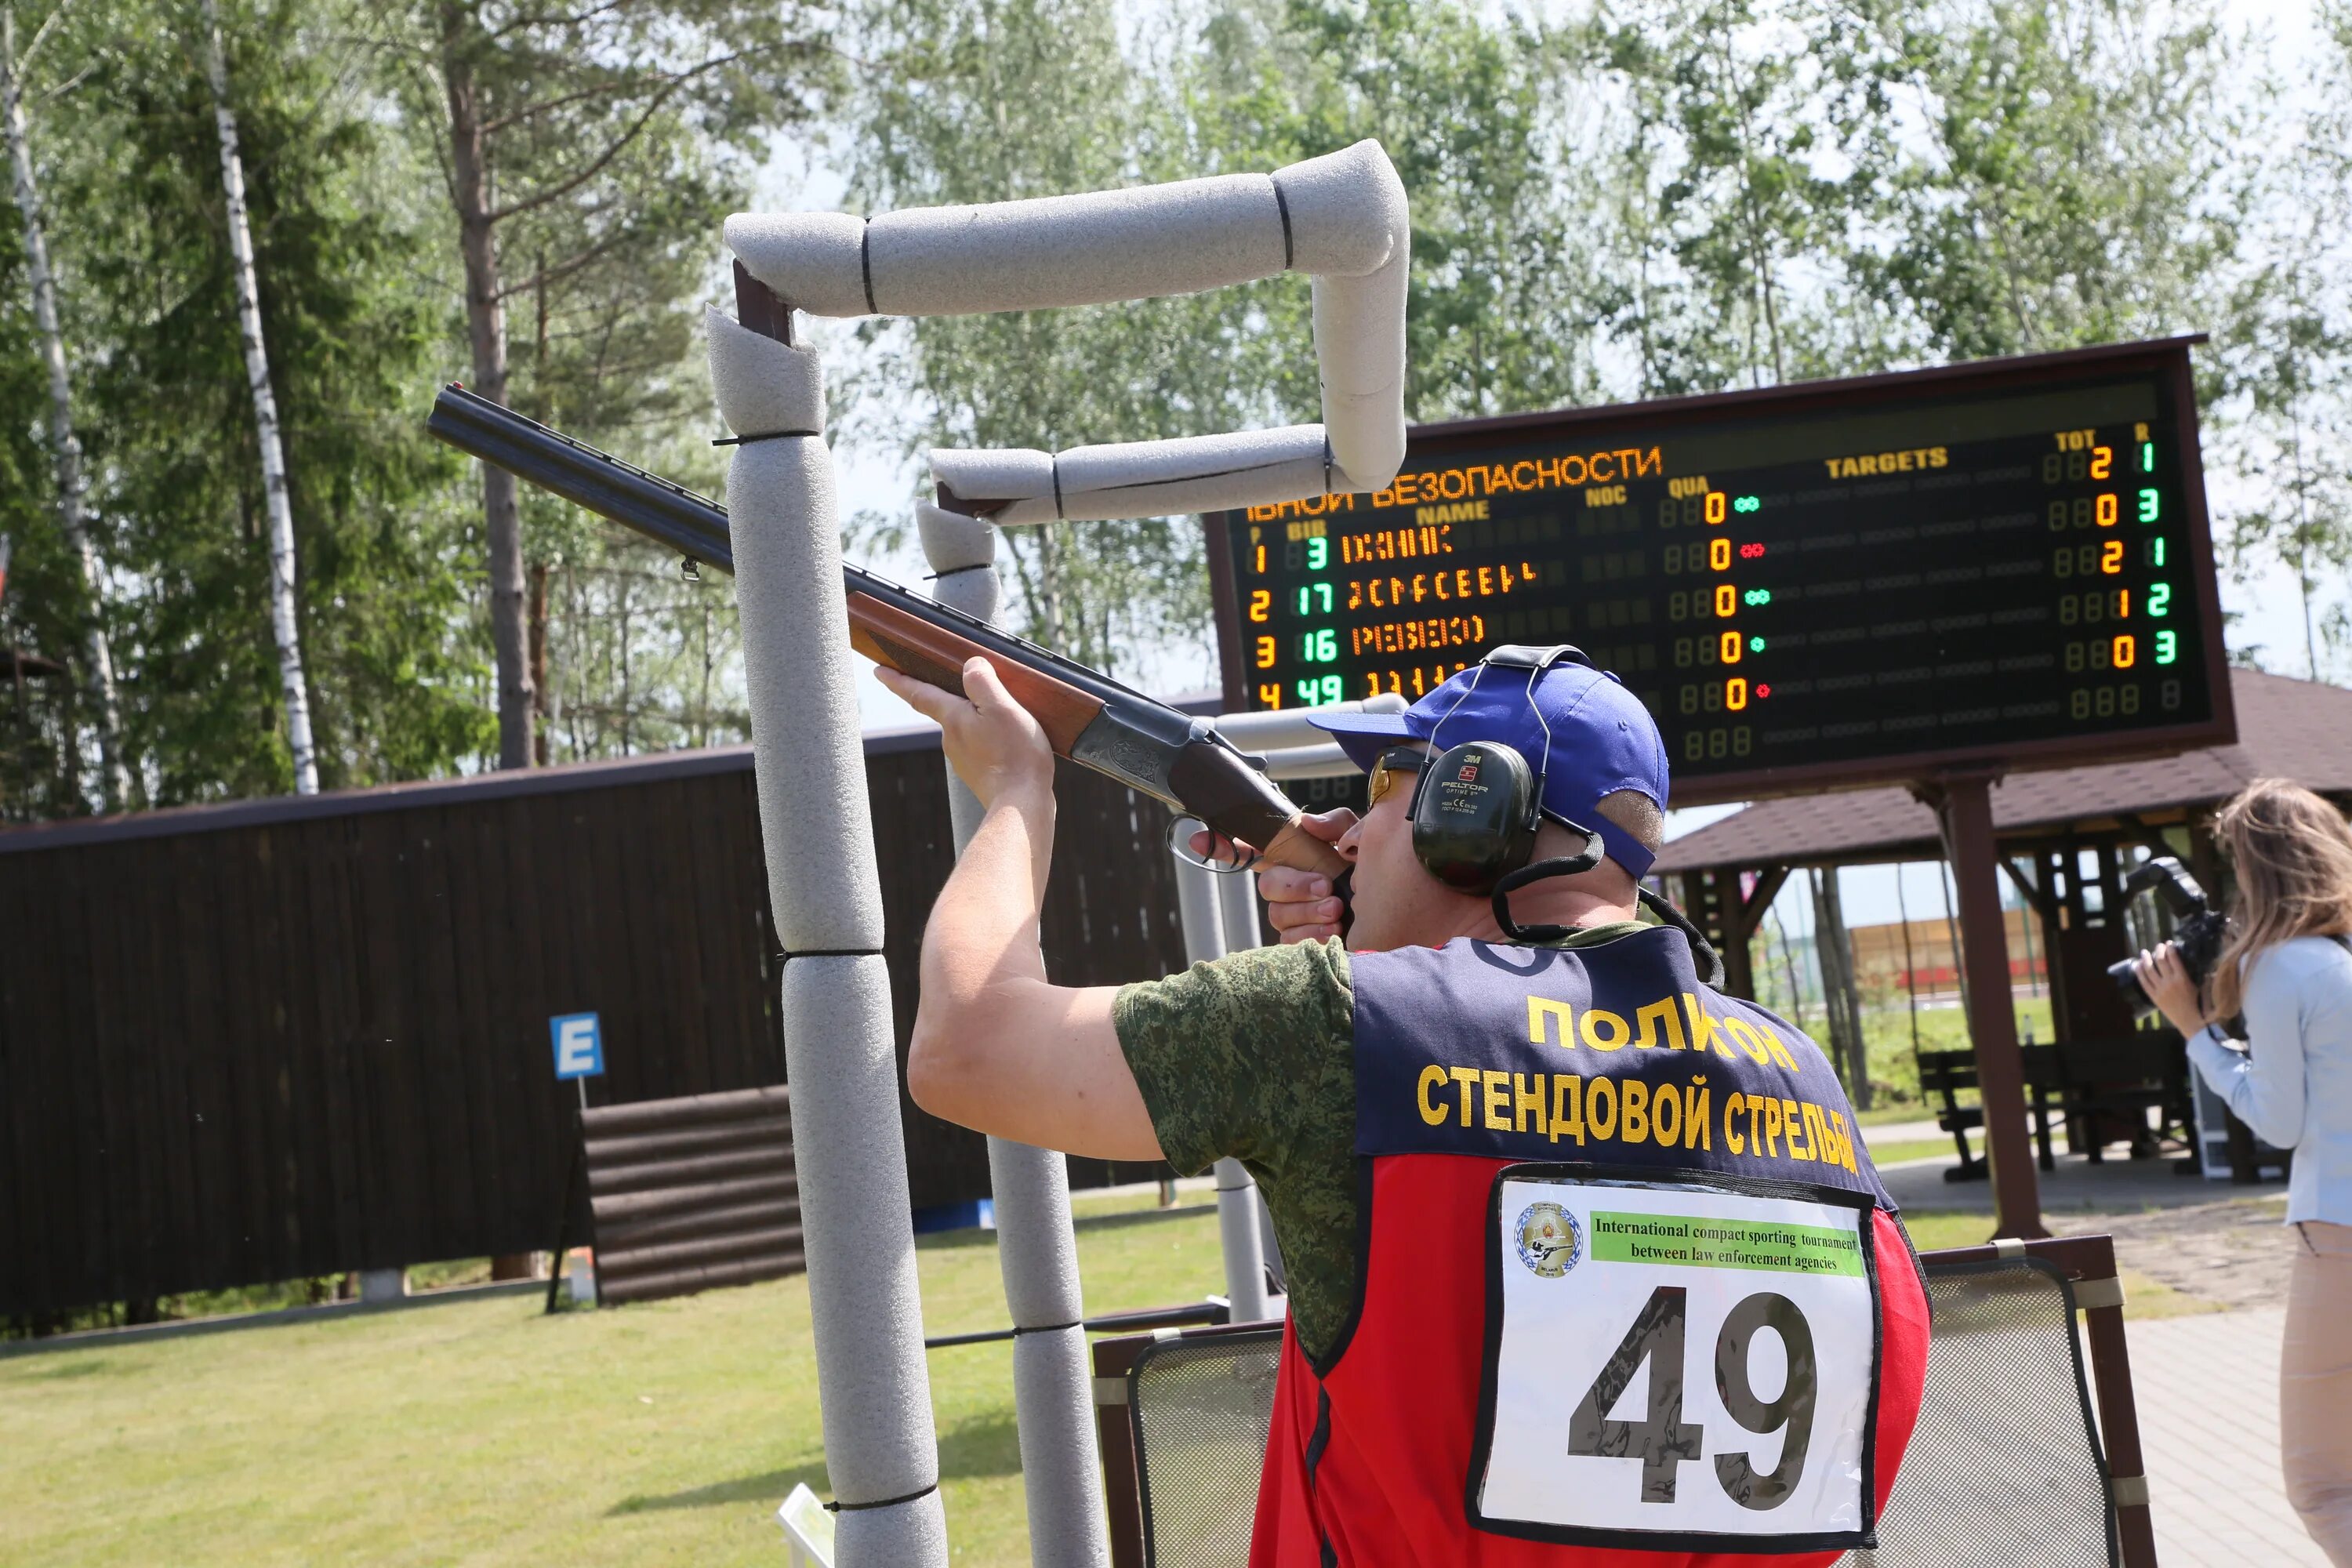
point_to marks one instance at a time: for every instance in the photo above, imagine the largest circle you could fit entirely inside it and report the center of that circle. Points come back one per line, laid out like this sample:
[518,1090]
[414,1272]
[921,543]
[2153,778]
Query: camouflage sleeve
[1250,1056]
[1254,1056]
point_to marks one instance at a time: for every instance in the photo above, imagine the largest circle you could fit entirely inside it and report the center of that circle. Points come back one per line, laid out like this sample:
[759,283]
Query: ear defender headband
[1476,807]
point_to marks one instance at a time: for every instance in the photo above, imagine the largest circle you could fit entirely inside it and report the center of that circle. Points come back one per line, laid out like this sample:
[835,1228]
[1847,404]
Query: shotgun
[1088,717]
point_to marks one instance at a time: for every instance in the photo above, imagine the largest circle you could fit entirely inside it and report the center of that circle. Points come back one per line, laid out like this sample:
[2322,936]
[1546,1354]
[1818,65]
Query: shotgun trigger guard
[1182,825]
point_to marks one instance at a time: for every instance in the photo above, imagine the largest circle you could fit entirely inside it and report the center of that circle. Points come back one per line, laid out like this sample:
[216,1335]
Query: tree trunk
[540,689]
[284,627]
[485,332]
[1840,996]
[98,657]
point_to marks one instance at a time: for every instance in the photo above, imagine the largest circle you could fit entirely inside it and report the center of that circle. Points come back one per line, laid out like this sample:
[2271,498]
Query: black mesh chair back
[2005,1467]
[1201,1408]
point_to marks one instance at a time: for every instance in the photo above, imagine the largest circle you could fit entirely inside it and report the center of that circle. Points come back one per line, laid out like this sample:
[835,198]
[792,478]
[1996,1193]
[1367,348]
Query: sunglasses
[1396,765]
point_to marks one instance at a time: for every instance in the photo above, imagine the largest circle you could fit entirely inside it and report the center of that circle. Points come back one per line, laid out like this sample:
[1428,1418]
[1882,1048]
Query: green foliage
[2287,355]
[168,423]
[1648,198]
[2078,177]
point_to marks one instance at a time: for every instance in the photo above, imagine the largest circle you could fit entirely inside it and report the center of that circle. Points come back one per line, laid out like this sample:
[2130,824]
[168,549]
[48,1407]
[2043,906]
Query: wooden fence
[269,1039]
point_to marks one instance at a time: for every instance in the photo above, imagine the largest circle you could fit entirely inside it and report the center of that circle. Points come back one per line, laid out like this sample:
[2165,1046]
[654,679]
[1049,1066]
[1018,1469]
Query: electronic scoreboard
[2006,563]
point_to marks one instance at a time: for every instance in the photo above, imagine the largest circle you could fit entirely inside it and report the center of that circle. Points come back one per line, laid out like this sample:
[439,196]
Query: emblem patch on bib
[1550,1244]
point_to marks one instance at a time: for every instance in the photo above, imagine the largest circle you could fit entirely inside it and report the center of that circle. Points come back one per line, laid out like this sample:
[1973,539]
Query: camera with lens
[2198,928]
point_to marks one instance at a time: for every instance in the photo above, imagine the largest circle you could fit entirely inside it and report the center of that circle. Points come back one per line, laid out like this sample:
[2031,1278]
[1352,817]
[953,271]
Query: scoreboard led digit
[1824,584]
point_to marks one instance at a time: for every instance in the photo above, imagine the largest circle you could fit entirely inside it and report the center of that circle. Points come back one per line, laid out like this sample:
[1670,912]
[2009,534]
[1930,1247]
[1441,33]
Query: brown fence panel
[276,1038]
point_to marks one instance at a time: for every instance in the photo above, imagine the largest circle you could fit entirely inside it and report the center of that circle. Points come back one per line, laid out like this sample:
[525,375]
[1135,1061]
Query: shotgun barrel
[1088,717]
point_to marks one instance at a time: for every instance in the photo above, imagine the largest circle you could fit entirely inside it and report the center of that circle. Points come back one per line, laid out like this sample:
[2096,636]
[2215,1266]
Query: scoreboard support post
[1963,807]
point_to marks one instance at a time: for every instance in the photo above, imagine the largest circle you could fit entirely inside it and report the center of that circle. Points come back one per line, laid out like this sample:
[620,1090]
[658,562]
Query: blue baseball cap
[1602,739]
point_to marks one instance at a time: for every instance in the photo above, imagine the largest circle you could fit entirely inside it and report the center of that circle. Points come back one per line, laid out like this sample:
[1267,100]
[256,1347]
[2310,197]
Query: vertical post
[1731,914]
[1834,947]
[1237,901]
[1202,906]
[2100,1296]
[1243,930]
[1037,1250]
[834,1000]
[1963,804]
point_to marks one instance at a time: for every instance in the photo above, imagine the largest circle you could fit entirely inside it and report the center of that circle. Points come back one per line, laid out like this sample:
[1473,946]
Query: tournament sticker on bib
[1677,1364]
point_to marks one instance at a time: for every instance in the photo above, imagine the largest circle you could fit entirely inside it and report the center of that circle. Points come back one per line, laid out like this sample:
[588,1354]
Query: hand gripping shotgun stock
[1088,717]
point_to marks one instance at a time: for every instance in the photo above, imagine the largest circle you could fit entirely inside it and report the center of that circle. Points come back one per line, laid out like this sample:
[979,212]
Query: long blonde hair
[2293,854]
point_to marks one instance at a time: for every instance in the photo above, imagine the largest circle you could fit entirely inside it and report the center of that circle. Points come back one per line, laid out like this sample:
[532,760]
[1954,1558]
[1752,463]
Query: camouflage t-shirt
[1252,1056]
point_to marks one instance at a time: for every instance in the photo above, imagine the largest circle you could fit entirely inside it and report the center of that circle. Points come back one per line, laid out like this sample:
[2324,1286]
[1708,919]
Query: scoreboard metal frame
[1617,428]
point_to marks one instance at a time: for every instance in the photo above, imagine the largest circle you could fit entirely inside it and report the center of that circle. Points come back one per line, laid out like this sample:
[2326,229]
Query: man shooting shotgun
[1521,1154]
[1084,714]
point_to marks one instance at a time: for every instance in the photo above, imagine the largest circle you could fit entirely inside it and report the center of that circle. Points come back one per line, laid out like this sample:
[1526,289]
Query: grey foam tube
[833,1002]
[1053,1388]
[1202,908]
[1087,249]
[1142,478]
[1342,217]
[1238,908]
[1237,903]
[1351,226]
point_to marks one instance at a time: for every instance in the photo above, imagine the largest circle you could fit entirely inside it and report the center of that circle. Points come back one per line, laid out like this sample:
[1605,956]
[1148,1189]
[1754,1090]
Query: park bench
[2121,1079]
[1942,1076]
[2009,1465]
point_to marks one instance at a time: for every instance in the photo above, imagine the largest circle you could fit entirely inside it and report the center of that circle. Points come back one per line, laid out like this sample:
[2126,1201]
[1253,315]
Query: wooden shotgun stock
[1088,717]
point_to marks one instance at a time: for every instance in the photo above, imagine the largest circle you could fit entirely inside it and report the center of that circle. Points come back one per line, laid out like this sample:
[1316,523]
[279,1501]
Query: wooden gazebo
[2063,837]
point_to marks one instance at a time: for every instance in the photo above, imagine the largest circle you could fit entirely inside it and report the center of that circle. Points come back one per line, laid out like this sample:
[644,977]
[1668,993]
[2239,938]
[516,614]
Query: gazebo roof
[2300,729]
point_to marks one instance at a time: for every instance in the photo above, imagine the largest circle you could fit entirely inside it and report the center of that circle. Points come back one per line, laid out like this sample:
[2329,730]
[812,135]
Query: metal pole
[840,1048]
[1963,805]
[1203,907]
[1238,901]
[1037,1251]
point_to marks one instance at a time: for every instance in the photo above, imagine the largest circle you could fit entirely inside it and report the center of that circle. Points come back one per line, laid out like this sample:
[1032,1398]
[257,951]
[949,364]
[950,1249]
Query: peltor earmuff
[1475,813]
[1476,807]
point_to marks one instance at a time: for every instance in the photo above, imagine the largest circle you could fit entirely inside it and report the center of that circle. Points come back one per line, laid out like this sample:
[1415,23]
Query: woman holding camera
[2286,966]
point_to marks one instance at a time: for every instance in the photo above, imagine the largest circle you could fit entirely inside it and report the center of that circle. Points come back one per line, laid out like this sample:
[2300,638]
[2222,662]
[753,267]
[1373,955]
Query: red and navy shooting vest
[1584,1172]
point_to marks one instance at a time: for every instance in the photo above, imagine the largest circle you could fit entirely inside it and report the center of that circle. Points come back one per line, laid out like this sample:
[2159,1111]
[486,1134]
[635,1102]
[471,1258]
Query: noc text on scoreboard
[1999,561]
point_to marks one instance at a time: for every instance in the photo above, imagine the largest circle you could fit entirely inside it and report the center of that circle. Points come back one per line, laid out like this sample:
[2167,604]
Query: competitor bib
[1676,1364]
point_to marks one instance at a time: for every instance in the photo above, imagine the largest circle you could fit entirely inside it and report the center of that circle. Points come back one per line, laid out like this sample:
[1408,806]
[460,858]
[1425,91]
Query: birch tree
[285,628]
[97,656]
[550,120]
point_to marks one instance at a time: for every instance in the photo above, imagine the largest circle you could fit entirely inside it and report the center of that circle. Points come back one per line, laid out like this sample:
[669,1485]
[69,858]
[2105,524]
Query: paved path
[2115,1185]
[2208,1392]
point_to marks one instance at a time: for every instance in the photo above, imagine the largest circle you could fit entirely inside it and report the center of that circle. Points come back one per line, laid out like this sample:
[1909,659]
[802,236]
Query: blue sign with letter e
[579,1046]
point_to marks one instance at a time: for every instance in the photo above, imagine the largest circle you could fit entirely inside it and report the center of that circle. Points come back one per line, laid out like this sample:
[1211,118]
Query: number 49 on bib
[1677,1364]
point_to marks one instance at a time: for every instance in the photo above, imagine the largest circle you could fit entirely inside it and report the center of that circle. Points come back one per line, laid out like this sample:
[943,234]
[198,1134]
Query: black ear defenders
[1476,806]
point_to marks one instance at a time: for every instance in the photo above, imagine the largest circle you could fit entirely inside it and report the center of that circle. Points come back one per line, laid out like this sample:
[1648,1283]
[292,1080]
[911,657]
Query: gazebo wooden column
[1963,808]
[1715,903]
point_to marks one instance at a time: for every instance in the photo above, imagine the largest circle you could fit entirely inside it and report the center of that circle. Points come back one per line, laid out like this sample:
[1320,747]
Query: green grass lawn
[482,1433]
[1937,1147]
